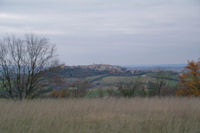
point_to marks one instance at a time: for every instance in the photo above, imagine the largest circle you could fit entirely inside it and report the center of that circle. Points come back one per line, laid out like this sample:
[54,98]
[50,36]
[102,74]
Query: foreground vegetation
[134,115]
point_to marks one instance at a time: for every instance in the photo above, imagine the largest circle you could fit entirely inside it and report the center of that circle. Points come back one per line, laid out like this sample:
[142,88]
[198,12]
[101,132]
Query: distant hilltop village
[96,69]
[100,67]
[131,70]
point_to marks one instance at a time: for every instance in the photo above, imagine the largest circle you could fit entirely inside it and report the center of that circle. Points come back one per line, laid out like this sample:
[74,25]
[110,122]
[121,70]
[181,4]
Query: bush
[76,89]
[129,89]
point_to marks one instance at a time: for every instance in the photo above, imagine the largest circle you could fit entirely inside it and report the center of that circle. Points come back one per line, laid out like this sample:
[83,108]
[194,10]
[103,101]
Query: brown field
[137,115]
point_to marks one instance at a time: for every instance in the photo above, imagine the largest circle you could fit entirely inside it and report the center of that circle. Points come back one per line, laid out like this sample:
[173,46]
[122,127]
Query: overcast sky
[120,32]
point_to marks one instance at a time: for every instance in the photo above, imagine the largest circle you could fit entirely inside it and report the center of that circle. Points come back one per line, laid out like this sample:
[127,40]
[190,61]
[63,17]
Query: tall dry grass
[137,115]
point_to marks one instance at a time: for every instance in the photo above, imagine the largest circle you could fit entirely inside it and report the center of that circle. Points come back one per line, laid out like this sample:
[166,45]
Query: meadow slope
[136,115]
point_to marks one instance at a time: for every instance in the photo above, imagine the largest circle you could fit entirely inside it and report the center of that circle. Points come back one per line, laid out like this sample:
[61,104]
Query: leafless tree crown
[22,61]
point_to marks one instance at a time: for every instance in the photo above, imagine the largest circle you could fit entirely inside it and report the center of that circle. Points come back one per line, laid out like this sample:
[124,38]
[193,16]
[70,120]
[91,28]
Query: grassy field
[137,115]
[109,80]
[114,80]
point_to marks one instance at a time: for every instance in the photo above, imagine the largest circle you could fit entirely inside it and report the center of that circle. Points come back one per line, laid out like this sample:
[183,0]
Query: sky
[117,32]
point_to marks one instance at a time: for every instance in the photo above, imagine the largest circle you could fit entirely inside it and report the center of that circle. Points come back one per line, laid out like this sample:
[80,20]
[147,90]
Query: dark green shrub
[129,89]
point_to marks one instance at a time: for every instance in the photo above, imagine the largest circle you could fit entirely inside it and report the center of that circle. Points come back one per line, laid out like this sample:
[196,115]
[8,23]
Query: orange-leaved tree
[190,80]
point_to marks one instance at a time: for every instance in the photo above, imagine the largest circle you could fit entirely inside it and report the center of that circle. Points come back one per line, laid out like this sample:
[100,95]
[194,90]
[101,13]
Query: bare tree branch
[22,62]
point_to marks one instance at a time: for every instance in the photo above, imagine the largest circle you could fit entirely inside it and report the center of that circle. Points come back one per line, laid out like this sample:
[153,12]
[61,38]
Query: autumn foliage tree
[190,80]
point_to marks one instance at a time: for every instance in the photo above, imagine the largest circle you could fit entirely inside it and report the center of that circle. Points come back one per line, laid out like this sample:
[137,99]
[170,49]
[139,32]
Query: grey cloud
[93,31]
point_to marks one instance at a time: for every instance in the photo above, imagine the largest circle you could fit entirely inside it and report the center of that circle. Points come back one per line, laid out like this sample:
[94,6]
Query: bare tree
[22,63]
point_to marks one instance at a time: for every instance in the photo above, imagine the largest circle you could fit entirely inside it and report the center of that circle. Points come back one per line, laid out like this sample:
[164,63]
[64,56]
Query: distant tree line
[188,85]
